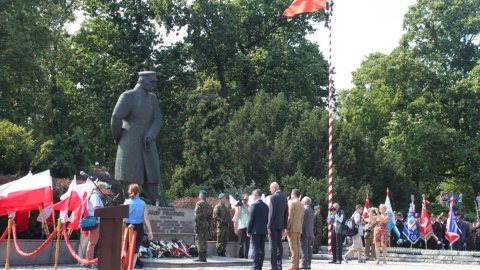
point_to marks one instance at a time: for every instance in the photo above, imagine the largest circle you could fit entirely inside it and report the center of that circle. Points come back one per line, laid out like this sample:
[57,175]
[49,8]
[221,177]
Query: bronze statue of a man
[136,122]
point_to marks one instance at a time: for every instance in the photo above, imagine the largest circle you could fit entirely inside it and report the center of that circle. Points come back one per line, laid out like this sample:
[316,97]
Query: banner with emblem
[452,232]
[410,229]
[426,230]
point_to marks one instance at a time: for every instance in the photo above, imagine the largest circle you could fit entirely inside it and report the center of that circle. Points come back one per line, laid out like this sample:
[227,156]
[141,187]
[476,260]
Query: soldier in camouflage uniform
[317,229]
[221,216]
[203,217]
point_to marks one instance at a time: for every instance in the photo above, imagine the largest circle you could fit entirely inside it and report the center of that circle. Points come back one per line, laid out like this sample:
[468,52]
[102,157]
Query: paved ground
[316,265]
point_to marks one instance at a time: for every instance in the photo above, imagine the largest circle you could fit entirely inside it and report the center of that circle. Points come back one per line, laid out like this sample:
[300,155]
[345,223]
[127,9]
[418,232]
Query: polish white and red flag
[27,193]
[74,200]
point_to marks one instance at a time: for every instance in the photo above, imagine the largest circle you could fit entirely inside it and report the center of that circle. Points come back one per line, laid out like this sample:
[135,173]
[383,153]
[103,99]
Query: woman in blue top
[138,214]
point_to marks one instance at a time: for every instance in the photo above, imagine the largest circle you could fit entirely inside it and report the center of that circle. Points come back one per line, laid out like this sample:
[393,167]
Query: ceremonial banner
[392,221]
[426,230]
[26,193]
[452,232]
[410,229]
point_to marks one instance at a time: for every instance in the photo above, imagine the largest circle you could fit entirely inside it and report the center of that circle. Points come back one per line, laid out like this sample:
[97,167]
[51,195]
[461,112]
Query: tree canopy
[243,94]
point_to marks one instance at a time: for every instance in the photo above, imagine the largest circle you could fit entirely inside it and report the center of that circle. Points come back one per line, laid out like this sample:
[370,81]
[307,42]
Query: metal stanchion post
[7,261]
[57,247]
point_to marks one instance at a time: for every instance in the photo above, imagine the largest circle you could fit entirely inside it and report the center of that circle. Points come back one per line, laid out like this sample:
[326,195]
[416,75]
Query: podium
[110,240]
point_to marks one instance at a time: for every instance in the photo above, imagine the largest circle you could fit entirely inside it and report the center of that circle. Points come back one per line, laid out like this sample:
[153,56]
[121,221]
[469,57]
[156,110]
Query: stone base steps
[417,255]
[212,261]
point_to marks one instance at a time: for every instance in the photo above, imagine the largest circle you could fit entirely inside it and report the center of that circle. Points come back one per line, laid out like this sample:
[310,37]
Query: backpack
[351,229]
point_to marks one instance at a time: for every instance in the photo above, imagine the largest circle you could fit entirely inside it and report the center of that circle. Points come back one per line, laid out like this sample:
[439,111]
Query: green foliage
[16,148]
[70,154]
[437,209]
[229,188]
[419,105]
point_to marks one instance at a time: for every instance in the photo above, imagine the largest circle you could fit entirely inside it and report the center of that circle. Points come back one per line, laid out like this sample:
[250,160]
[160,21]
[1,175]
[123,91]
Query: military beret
[316,207]
[221,195]
[203,192]
[417,215]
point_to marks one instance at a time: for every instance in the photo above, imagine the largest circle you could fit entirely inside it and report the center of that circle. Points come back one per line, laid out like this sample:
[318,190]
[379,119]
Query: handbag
[88,223]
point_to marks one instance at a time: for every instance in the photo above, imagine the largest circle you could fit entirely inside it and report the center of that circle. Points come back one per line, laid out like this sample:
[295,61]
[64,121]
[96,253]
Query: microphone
[84,173]
[116,196]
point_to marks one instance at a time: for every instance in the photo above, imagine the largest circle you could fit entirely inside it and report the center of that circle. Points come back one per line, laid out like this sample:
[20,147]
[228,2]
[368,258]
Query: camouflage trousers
[316,243]
[222,239]
[201,239]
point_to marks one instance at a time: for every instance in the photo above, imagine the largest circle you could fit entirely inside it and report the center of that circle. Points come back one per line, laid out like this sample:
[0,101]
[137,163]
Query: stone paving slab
[316,265]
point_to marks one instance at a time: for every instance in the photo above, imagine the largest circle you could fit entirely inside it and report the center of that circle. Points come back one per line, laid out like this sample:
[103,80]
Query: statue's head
[148,80]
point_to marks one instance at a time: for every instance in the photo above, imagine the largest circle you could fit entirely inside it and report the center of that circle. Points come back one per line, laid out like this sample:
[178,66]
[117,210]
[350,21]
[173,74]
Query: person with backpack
[357,223]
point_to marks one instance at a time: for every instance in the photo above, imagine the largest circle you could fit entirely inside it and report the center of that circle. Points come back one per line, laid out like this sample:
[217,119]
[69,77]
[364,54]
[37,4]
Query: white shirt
[358,217]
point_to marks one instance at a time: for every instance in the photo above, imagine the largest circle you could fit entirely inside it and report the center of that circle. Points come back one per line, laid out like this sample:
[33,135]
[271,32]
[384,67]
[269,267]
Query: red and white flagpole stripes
[330,122]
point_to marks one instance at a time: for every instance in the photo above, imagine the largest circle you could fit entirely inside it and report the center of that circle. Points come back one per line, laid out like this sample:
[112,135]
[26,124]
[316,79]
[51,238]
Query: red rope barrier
[74,254]
[4,235]
[17,247]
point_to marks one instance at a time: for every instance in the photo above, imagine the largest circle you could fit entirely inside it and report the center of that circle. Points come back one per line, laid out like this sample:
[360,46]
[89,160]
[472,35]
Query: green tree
[16,148]
[418,105]
[204,137]
[248,47]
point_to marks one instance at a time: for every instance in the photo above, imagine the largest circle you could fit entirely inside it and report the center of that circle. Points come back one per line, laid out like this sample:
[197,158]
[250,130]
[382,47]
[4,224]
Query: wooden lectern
[110,241]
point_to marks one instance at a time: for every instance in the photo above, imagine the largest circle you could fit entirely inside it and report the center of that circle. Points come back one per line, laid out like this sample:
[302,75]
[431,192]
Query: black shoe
[332,262]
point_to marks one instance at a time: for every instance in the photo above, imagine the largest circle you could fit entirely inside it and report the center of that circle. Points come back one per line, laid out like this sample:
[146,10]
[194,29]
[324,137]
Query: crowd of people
[279,218]
[283,217]
[469,239]
[446,196]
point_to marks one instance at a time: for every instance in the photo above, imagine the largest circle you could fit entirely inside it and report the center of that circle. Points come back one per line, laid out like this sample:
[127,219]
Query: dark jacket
[258,218]
[278,214]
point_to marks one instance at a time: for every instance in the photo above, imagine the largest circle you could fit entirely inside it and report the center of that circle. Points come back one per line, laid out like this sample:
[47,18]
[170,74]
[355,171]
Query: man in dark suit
[307,234]
[277,223]
[257,228]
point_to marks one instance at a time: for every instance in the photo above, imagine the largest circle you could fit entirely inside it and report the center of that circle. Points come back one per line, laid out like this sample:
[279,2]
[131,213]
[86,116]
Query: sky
[358,29]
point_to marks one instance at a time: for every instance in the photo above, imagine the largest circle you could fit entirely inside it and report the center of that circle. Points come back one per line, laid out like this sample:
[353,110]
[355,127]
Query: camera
[239,203]
[332,209]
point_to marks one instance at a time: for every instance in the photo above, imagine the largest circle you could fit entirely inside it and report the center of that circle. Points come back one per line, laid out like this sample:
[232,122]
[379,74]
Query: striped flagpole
[330,122]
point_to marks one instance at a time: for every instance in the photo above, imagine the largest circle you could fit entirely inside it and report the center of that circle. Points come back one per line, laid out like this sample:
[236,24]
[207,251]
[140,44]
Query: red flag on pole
[426,230]
[303,6]
[366,208]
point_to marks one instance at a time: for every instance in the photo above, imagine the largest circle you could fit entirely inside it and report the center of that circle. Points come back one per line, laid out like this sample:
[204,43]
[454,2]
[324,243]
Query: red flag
[22,220]
[26,193]
[365,209]
[426,230]
[303,6]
